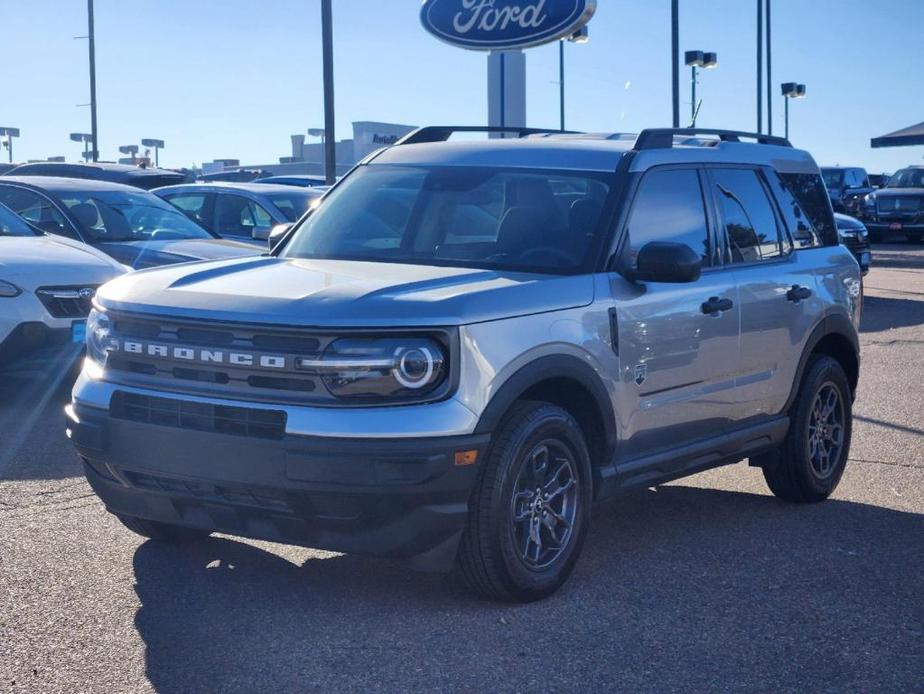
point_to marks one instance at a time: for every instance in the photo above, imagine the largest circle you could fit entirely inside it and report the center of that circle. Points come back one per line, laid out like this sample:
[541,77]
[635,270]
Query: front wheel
[530,509]
[814,454]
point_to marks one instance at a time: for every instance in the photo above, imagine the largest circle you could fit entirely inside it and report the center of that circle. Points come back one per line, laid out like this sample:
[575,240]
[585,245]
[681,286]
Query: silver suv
[468,343]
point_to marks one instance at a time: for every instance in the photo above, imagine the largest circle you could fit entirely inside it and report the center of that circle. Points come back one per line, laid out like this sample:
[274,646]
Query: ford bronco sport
[468,343]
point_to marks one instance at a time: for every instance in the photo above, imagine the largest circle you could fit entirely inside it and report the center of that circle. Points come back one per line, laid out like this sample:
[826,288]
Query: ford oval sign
[500,25]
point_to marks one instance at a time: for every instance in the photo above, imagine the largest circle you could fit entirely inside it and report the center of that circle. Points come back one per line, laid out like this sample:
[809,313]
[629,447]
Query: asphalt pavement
[705,584]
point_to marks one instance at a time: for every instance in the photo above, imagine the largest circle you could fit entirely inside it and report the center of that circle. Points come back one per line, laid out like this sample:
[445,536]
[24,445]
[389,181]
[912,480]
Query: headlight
[399,367]
[99,336]
[9,290]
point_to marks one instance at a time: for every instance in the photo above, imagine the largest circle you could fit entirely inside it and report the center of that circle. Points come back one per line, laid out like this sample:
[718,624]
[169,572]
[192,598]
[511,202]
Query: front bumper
[881,228]
[395,497]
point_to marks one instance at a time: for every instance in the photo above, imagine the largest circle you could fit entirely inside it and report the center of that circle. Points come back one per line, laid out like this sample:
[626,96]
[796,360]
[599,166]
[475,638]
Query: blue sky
[234,78]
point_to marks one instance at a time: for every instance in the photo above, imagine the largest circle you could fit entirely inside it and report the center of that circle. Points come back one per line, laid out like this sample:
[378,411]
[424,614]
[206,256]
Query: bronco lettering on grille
[203,356]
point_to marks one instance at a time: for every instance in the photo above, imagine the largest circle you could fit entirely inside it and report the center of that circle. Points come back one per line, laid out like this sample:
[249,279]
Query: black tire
[496,551]
[915,238]
[875,237]
[810,465]
[162,532]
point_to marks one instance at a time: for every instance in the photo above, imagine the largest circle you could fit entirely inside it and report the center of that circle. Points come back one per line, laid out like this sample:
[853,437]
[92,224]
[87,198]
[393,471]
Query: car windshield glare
[122,216]
[907,178]
[12,224]
[492,218]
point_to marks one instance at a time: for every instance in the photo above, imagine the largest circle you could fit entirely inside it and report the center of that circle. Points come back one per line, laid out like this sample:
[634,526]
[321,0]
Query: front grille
[67,302]
[219,376]
[198,416]
[898,205]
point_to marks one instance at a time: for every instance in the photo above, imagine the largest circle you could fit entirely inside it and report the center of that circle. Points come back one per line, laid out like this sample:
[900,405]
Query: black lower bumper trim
[383,497]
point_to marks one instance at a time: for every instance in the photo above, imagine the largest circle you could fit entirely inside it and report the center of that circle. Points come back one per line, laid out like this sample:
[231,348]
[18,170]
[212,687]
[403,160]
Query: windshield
[907,178]
[120,216]
[834,178]
[13,225]
[505,219]
[292,205]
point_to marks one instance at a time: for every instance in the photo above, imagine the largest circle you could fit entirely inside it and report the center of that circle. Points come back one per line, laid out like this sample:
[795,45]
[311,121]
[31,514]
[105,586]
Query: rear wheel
[530,509]
[915,238]
[814,455]
[162,532]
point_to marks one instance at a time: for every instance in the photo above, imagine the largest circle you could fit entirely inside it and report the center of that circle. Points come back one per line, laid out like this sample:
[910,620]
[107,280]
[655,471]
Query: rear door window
[751,227]
[239,216]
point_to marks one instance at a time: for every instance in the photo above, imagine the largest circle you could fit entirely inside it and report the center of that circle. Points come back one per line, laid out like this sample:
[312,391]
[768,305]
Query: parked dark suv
[468,343]
[847,186]
[898,208]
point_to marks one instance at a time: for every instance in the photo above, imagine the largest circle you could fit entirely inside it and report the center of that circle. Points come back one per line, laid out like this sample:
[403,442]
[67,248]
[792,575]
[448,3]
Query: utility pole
[92,44]
[327,43]
[675,60]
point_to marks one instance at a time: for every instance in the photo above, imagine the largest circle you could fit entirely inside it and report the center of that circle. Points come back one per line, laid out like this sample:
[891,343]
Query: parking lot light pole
[790,90]
[91,40]
[580,36]
[157,145]
[327,49]
[695,59]
[675,62]
[9,134]
[86,139]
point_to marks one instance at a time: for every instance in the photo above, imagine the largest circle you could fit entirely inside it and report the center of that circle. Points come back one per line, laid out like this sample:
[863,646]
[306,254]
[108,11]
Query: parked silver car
[242,211]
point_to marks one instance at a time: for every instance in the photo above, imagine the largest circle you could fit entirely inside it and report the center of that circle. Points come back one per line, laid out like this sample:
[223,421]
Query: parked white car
[47,285]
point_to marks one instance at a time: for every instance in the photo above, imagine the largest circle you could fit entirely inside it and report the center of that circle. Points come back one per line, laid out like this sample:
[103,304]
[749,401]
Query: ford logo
[499,25]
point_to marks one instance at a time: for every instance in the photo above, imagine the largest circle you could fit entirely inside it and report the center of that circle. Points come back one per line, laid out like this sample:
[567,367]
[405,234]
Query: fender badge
[641,373]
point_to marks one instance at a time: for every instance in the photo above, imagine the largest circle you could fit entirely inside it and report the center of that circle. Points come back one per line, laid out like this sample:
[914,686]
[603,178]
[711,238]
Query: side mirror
[275,236]
[665,261]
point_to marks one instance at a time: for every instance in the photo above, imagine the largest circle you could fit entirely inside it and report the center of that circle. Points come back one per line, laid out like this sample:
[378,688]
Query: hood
[51,260]
[339,293]
[144,254]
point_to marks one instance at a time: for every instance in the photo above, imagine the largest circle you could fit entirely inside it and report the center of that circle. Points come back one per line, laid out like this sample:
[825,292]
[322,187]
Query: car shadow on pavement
[885,313]
[32,421]
[678,588]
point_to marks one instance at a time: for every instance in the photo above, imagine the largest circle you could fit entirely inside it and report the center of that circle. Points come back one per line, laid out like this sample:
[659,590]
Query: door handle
[716,305]
[797,293]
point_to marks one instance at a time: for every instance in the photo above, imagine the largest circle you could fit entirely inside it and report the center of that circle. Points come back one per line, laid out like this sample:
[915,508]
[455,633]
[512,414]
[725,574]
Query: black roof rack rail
[441,133]
[663,138]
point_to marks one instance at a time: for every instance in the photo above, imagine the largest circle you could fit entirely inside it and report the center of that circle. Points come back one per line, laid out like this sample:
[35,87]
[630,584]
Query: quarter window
[752,232]
[813,199]
[669,207]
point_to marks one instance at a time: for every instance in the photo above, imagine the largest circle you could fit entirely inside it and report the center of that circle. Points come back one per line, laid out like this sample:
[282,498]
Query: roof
[912,135]
[594,152]
[245,187]
[62,184]
[117,170]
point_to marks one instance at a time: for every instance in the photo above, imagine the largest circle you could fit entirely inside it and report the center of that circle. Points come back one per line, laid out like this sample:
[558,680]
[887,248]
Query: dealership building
[308,157]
